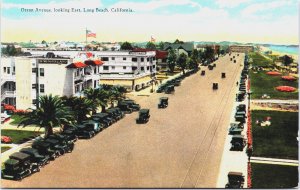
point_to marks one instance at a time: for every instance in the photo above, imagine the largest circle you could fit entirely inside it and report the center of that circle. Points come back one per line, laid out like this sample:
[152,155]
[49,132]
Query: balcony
[122,76]
[8,94]
[8,78]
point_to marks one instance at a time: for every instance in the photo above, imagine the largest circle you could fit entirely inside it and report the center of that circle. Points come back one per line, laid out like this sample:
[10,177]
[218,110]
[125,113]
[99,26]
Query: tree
[126,46]
[161,46]
[99,96]
[81,107]
[192,64]
[151,45]
[286,60]
[52,112]
[195,55]
[209,53]
[116,93]
[178,42]
[44,42]
[182,62]
[171,60]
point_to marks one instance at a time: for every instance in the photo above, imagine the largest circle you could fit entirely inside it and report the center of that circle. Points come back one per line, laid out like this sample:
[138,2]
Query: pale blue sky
[274,21]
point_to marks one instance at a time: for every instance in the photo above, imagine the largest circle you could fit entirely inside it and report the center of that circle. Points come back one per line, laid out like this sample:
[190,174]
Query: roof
[19,156]
[76,65]
[188,46]
[144,110]
[141,50]
[164,98]
[11,162]
[161,54]
[29,150]
[93,62]
[89,122]
[88,54]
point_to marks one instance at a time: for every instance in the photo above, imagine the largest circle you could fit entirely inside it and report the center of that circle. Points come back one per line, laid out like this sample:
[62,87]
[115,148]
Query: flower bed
[285,88]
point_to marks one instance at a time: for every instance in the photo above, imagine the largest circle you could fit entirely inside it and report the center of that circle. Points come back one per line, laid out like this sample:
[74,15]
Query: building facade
[241,49]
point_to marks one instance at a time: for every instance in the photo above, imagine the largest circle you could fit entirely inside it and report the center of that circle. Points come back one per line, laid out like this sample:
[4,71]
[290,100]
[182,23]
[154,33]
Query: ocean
[285,49]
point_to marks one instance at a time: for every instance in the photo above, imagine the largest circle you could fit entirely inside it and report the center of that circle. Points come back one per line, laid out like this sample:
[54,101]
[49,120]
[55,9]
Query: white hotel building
[68,73]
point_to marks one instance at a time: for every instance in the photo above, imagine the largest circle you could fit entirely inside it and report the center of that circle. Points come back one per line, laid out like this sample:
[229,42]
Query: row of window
[42,87]
[106,68]
[133,59]
[42,71]
[7,70]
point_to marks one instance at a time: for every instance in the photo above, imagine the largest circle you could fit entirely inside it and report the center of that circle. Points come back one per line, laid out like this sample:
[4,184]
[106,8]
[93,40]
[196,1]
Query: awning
[76,65]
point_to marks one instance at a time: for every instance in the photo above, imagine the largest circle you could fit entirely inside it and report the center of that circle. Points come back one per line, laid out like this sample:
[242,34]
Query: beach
[278,53]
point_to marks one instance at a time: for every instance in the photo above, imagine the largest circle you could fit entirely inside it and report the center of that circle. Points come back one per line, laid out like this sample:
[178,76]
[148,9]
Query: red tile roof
[76,65]
[88,54]
[161,54]
[93,62]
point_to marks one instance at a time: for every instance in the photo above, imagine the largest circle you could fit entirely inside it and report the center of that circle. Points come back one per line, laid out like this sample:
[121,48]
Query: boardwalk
[180,146]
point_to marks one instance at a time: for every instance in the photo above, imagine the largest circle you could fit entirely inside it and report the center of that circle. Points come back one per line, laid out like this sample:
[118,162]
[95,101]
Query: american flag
[90,34]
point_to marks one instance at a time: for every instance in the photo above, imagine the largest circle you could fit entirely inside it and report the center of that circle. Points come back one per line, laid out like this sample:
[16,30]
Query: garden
[17,136]
[274,176]
[279,140]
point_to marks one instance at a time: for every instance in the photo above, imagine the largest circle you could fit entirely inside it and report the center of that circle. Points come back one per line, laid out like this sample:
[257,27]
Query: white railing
[8,94]
[122,76]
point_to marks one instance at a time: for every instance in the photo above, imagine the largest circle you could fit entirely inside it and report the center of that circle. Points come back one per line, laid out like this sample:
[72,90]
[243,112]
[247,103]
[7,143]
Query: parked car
[241,107]
[170,89]
[93,125]
[45,149]
[215,86]
[125,108]
[83,133]
[15,170]
[238,143]
[25,159]
[35,157]
[132,104]
[163,102]
[64,142]
[223,75]
[103,118]
[202,73]
[144,115]
[235,180]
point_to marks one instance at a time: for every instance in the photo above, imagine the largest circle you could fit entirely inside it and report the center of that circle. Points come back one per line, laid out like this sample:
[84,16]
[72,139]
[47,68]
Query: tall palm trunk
[48,131]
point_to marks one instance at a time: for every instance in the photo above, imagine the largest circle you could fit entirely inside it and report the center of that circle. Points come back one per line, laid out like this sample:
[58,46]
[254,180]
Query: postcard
[149,94]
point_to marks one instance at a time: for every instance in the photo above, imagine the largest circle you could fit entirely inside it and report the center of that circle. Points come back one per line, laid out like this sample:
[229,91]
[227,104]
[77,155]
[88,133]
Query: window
[104,58]
[14,69]
[134,68]
[113,67]
[34,101]
[142,59]
[76,88]
[4,69]
[153,66]
[124,67]
[33,86]
[134,59]
[42,72]
[42,88]
[95,70]
[124,58]
[33,70]
[148,68]
[142,68]
[112,58]
[105,68]
[8,70]
[147,59]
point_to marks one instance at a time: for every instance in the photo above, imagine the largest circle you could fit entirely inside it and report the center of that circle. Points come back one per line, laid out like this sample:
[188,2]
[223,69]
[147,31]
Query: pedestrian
[249,152]
[237,83]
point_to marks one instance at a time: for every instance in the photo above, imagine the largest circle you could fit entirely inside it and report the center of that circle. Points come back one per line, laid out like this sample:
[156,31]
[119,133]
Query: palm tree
[117,93]
[99,96]
[171,60]
[81,107]
[52,112]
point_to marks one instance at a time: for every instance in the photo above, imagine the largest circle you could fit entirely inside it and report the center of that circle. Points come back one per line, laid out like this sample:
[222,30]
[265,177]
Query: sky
[256,21]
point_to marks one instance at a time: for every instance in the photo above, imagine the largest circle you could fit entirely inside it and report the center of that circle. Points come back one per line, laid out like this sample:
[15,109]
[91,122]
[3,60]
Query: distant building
[215,47]
[185,47]
[241,48]
[161,59]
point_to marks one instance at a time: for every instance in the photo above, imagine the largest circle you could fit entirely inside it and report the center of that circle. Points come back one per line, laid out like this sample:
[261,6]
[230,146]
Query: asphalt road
[181,146]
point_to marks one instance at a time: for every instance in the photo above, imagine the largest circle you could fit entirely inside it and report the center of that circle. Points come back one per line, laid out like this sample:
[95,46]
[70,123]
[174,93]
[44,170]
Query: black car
[103,118]
[26,160]
[132,104]
[202,73]
[223,75]
[238,143]
[45,149]
[163,102]
[235,180]
[125,108]
[144,115]
[170,89]
[35,157]
[215,86]
[15,170]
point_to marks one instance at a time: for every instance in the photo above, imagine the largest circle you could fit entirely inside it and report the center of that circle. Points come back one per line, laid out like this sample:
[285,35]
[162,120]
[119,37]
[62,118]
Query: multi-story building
[68,73]
[241,48]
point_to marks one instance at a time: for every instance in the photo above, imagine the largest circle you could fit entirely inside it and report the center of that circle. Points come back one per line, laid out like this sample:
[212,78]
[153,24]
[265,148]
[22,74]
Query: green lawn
[4,148]
[279,139]
[17,135]
[261,83]
[16,119]
[259,60]
[274,176]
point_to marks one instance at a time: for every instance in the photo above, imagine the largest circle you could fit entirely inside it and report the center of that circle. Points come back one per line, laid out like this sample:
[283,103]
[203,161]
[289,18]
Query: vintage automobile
[170,89]
[70,135]
[241,107]
[125,108]
[15,170]
[35,157]
[236,128]
[240,118]
[214,65]
[223,75]
[64,142]
[234,61]
[132,104]
[163,102]
[177,82]
[235,180]
[25,159]
[45,149]
[103,118]
[202,73]
[83,133]
[144,116]
[210,67]
[56,145]
[240,96]
[230,58]
[93,125]
[113,113]
[238,143]
[215,86]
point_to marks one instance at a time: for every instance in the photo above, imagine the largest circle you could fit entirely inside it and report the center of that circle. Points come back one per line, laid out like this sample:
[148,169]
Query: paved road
[180,146]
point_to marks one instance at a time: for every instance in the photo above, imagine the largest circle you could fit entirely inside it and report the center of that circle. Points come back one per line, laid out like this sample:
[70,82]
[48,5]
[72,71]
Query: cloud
[252,9]
[54,4]
[230,3]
